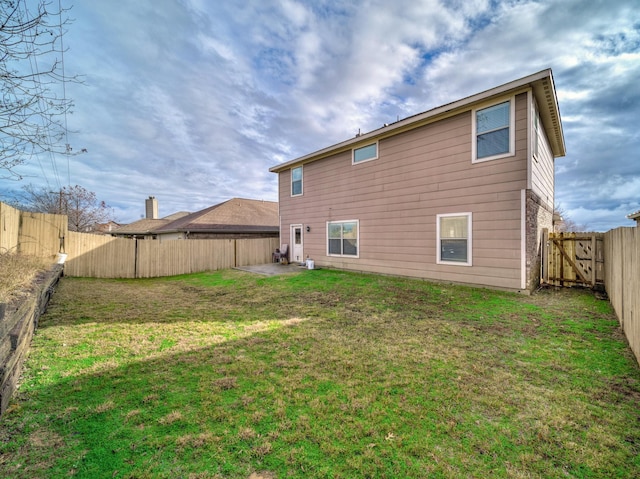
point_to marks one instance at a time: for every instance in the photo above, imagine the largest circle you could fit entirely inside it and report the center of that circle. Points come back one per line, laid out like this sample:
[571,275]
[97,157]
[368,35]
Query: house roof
[540,83]
[634,216]
[147,226]
[233,216]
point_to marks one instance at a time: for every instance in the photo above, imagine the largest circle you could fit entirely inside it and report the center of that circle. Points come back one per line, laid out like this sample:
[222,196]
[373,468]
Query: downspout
[523,193]
[523,239]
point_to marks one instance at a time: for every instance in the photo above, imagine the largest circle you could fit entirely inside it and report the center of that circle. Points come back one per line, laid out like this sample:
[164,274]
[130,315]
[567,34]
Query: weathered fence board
[206,256]
[622,281]
[169,258]
[255,251]
[107,257]
[102,256]
[42,234]
[99,256]
[574,258]
[9,228]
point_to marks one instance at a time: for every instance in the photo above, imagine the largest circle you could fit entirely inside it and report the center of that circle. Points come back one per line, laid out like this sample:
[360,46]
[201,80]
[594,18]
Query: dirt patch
[626,387]
[262,475]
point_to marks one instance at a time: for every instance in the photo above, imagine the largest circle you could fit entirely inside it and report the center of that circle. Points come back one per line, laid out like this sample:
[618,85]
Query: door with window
[296,244]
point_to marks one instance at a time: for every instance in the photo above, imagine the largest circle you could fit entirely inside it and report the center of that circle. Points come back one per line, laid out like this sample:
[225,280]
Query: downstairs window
[454,239]
[342,238]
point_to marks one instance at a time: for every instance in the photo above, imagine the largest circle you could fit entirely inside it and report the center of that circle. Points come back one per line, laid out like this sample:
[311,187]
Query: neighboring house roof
[106,227]
[237,215]
[544,91]
[175,216]
[147,226]
[634,216]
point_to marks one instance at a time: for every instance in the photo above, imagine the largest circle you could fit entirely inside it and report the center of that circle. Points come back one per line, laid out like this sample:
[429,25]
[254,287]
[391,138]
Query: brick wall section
[538,217]
[18,322]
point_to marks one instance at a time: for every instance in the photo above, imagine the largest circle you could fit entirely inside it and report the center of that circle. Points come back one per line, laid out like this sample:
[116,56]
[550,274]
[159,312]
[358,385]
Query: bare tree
[81,206]
[31,63]
[565,224]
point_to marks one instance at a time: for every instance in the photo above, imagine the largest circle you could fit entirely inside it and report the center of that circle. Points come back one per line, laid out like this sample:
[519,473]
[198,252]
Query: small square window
[366,153]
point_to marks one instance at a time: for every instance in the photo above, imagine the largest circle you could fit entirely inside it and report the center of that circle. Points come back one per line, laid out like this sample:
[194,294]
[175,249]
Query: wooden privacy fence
[98,256]
[9,228]
[107,257]
[622,280]
[35,234]
[573,259]
[42,234]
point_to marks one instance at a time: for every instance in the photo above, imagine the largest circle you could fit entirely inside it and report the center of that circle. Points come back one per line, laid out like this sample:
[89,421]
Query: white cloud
[594,218]
[209,44]
[195,100]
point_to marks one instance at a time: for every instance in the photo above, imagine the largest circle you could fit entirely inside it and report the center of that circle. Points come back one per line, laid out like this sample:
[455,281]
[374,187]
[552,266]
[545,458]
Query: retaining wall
[18,322]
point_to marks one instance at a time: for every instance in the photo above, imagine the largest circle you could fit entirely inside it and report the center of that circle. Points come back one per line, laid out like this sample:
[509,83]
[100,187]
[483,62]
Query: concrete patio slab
[273,269]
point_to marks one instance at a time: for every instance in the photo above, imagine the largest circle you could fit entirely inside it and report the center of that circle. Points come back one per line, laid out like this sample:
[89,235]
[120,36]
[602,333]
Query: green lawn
[322,374]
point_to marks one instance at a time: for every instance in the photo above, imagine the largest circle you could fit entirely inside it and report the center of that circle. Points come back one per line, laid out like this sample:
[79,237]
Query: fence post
[235,253]
[622,276]
[135,259]
[593,260]
[544,252]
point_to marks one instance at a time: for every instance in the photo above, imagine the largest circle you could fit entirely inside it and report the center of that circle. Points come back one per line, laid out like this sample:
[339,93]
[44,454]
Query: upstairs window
[342,238]
[493,132]
[366,153]
[296,181]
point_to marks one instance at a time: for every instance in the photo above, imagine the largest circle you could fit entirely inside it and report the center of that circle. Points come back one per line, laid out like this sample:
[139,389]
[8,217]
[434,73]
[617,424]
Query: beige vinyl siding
[542,169]
[419,174]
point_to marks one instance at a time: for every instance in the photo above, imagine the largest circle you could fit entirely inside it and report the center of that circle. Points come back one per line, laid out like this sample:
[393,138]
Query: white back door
[297,249]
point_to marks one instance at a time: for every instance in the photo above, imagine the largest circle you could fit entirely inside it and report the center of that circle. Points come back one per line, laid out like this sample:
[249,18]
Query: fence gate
[573,259]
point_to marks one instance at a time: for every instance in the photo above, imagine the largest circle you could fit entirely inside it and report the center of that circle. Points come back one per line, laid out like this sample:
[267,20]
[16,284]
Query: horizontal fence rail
[573,259]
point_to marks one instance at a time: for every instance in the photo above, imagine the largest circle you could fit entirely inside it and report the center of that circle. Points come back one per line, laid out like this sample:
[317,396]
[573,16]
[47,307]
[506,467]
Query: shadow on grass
[366,377]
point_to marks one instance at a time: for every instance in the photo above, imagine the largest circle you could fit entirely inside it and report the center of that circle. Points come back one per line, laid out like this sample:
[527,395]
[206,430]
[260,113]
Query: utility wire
[36,75]
[64,94]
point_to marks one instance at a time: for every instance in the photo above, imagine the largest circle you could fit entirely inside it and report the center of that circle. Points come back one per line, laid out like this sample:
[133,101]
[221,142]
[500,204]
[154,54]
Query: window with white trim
[365,153]
[342,238]
[454,239]
[296,181]
[494,131]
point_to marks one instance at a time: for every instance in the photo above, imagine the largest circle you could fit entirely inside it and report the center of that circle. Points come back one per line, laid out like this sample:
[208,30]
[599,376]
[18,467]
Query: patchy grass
[322,374]
[17,272]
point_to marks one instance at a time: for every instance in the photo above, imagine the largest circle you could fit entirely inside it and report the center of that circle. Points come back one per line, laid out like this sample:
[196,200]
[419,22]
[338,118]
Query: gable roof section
[147,226]
[236,215]
[634,216]
[543,89]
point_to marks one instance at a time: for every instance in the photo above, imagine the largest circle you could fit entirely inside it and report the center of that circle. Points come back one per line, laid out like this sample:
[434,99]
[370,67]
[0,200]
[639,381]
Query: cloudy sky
[193,100]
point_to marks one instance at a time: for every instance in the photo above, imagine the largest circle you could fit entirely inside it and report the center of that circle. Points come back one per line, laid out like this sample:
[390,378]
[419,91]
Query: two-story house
[458,193]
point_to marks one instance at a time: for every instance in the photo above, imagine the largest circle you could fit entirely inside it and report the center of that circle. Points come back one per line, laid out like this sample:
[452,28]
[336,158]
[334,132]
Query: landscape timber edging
[18,322]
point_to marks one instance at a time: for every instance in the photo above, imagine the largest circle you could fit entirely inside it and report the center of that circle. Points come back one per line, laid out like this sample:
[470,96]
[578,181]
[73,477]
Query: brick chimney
[151,205]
